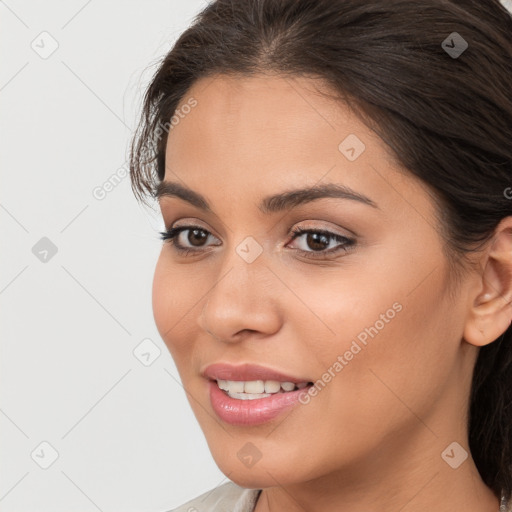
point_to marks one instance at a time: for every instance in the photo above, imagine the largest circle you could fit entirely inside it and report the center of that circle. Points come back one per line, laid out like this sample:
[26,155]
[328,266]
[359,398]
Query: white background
[124,432]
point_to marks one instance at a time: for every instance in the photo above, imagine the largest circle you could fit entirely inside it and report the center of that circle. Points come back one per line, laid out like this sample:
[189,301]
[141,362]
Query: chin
[250,480]
[261,475]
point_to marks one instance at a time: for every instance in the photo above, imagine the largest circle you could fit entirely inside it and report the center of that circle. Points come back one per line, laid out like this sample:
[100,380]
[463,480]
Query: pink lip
[224,371]
[249,412]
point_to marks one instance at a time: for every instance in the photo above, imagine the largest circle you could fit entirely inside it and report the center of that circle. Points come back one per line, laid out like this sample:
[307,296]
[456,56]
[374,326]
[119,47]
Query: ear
[490,312]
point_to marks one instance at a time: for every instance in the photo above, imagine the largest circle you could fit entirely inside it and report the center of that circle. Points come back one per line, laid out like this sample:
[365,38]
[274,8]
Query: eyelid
[291,231]
[344,243]
[320,225]
[190,227]
[189,223]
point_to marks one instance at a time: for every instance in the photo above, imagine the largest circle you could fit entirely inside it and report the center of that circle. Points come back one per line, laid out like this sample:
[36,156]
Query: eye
[196,236]
[320,242]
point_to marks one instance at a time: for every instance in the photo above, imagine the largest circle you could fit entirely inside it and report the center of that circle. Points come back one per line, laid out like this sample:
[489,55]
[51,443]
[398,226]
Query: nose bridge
[244,266]
[240,298]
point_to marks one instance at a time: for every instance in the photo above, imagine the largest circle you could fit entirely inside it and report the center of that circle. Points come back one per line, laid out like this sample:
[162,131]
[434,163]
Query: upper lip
[247,372]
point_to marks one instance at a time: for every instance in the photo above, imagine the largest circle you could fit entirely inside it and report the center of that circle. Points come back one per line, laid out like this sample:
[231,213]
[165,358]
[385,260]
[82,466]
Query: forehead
[239,116]
[266,131]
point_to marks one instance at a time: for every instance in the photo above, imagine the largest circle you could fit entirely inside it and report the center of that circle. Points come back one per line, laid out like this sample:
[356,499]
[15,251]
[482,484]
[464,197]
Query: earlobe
[490,313]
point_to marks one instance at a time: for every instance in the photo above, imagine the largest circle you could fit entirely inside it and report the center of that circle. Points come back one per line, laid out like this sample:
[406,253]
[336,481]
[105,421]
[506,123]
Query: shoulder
[228,497]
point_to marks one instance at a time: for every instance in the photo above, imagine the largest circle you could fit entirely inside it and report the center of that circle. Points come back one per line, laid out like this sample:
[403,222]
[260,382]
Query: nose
[243,301]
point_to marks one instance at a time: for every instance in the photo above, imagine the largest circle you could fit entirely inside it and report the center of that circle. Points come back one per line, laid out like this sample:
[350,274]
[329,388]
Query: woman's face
[365,310]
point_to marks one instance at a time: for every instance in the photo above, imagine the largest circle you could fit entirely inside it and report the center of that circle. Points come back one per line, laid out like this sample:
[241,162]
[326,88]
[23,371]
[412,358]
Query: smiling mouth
[255,389]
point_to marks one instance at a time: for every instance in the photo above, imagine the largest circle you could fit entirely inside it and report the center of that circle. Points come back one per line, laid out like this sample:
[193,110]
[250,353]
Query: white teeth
[252,389]
[272,386]
[249,396]
[253,386]
[231,385]
[288,386]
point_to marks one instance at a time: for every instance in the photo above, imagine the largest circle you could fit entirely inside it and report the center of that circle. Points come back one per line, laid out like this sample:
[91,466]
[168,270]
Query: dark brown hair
[446,118]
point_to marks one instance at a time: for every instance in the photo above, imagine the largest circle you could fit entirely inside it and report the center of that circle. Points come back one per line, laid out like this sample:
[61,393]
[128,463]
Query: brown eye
[321,243]
[196,237]
[317,241]
[185,243]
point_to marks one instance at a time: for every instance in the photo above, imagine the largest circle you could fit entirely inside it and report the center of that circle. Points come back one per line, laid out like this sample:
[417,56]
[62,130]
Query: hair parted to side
[448,121]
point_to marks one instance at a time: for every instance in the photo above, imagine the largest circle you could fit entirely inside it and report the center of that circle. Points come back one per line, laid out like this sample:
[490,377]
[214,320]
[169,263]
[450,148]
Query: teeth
[253,386]
[288,386]
[250,390]
[248,396]
[272,386]
[231,385]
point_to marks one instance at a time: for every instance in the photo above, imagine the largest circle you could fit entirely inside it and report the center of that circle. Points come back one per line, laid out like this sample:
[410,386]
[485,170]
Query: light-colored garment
[230,497]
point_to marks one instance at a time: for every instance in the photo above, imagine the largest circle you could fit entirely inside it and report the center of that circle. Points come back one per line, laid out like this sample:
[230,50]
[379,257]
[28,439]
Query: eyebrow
[271,204]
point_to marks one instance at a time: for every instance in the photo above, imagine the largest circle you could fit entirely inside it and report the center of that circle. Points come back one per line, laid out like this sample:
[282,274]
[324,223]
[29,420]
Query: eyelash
[170,236]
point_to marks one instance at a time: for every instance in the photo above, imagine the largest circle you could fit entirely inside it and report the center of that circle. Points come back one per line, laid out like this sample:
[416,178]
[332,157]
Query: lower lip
[251,412]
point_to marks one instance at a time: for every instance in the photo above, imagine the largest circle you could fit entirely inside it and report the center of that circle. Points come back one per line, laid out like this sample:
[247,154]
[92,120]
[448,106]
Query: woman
[335,282]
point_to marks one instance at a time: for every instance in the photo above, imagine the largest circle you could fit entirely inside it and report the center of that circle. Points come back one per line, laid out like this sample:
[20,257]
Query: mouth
[256,389]
[244,408]
[251,374]
[250,394]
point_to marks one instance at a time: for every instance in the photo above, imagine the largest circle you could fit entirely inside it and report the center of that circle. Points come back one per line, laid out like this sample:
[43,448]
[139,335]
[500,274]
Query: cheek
[339,306]
[395,351]
[385,322]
